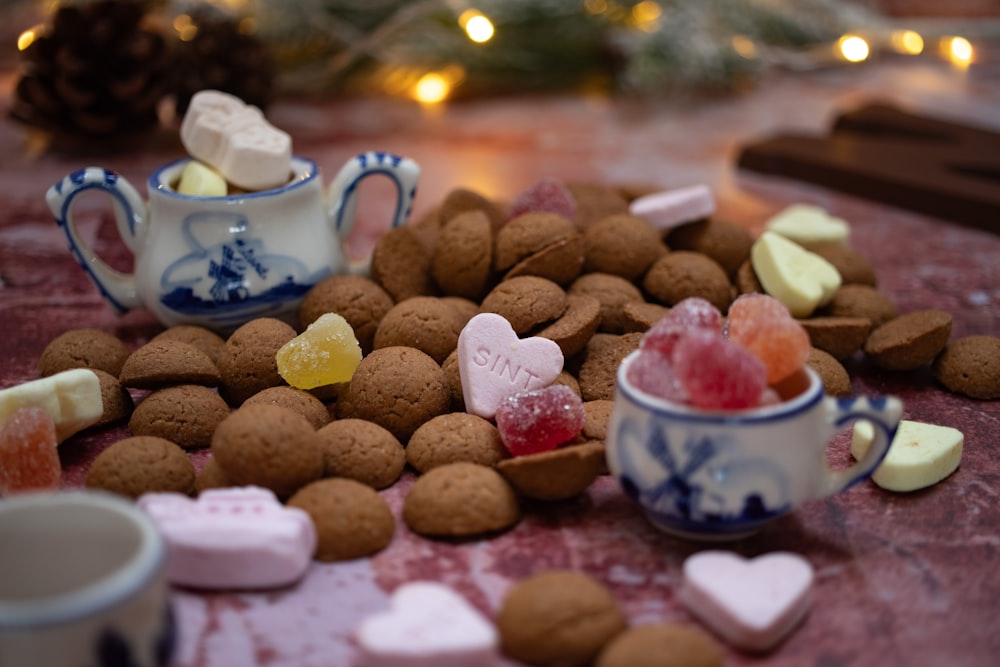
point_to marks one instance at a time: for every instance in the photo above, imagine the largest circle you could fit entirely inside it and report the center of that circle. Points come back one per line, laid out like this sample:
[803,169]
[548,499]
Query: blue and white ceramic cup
[722,475]
[82,583]
[219,262]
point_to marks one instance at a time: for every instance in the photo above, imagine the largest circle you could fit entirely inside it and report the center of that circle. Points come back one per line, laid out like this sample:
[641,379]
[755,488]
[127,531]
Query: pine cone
[96,75]
[221,56]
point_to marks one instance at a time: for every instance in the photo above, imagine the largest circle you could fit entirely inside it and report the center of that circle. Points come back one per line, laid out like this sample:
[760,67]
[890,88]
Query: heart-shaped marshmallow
[494,363]
[798,278]
[920,454]
[234,538]
[752,604]
[809,226]
[427,625]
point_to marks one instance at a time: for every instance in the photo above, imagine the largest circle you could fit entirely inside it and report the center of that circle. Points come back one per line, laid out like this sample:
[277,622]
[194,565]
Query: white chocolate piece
[919,456]
[200,180]
[72,398]
[427,625]
[798,278]
[672,208]
[809,226]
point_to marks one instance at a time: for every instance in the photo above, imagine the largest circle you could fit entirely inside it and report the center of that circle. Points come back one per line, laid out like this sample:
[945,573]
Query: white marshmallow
[798,278]
[809,226]
[72,398]
[672,208]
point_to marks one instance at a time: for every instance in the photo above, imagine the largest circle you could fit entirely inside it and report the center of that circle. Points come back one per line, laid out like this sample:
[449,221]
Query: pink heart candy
[494,363]
[752,604]
[235,538]
[427,625]
[672,208]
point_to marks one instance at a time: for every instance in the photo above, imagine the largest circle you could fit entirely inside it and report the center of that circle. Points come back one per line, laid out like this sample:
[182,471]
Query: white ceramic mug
[222,261]
[82,583]
[723,475]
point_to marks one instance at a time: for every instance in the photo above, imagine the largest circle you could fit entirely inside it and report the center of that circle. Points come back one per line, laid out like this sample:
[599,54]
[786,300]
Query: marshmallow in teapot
[235,138]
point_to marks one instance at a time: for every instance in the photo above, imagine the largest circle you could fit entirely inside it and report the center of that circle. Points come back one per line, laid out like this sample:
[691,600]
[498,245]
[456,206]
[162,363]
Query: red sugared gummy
[716,373]
[687,314]
[653,373]
[28,456]
[539,421]
[547,195]
[763,325]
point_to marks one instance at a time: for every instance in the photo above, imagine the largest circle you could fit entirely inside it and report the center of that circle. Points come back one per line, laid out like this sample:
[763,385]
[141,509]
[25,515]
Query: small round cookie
[351,519]
[461,200]
[727,243]
[398,388]
[185,414]
[558,618]
[622,245]
[452,438]
[83,348]
[662,645]
[567,379]
[297,400]
[836,381]
[840,336]
[211,476]
[561,262]
[578,324]
[204,339]
[427,323]
[860,301]
[594,202]
[909,341]
[639,316]
[612,292]
[559,474]
[746,280]
[454,376]
[270,446]
[363,451]
[529,233]
[526,302]
[596,417]
[599,369]
[462,258]
[971,366]
[465,308]
[141,464]
[460,500]
[683,273]
[853,267]
[168,362]
[248,361]
[118,403]
[401,264]
[359,300]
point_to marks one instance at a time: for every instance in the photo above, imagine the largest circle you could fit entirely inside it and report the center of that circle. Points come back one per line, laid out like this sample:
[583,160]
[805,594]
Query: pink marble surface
[902,579]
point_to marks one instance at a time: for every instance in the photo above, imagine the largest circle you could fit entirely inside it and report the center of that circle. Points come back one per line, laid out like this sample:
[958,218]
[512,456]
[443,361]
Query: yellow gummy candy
[327,352]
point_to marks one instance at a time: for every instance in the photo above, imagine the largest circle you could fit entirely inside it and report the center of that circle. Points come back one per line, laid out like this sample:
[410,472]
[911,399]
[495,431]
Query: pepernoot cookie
[558,474]
[526,302]
[684,273]
[248,361]
[595,201]
[662,645]
[351,519]
[118,403]
[363,451]
[530,233]
[561,262]
[862,301]
[398,388]
[401,264]
[455,437]
[909,341]
[839,336]
[83,348]
[612,293]
[204,339]
[602,357]
[211,476]
[853,267]
[168,362]
[836,381]
[269,446]
[639,316]
[460,500]
[971,366]
[141,464]
[621,245]
[297,400]
[462,200]
[462,259]
[558,618]
[596,417]
[359,300]
[427,323]
[727,243]
[576,326]
[184,414]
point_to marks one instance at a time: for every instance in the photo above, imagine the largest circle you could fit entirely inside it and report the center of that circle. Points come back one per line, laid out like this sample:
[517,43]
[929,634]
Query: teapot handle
[118,289]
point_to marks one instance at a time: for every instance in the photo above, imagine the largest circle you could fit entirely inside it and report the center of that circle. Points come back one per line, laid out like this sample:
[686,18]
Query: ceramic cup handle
[119,289]
[343,190]
[884,413]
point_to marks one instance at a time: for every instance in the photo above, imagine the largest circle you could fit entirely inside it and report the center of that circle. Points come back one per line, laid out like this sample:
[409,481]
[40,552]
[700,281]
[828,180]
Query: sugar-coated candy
[809,226]
[751,603]
[800,279]
[540,420]
[494,363]
[686,315]
[327,352]
[716,373]
[672,208]
[427,625]
[653,373]
[763,325]
[28,457]
[919,456]
[548,195]
[72,398]
[232,538]
[200,180]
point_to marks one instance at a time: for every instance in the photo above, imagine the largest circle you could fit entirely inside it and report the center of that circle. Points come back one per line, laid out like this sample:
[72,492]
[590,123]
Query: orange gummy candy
[28,456]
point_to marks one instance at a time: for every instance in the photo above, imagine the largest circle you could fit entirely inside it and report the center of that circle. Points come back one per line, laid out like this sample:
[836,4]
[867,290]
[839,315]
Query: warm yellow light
[247,25]
[960,51]
[853,48]
[596,6]
[646,12]
[744,46]
[477,27]
[908,41]
[186,30]
[432,88]
[27,38]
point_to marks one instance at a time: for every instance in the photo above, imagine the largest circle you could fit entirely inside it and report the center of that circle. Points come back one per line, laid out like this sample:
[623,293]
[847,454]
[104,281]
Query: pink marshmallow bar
[672,208]
[235,538]
[752,604]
